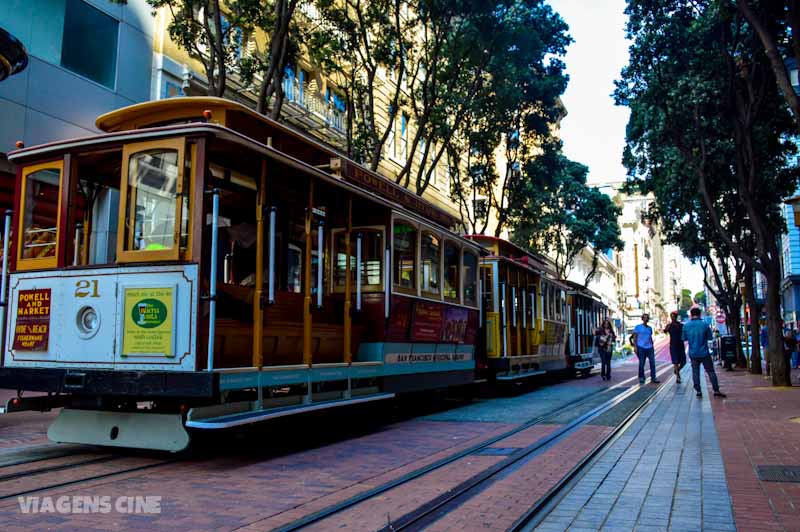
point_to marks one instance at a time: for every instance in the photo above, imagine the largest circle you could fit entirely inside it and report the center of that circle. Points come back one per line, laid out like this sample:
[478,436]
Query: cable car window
[470,278]
[431,247]
[404,256]
[371,258]
[452,256]
[155,221]
[40,214]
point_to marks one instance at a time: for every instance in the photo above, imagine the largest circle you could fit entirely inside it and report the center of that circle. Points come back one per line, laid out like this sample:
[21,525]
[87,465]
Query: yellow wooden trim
[307,355]
[42,262]
[171,109]
[348,286]
[178,144]
[258,312]
[187,253]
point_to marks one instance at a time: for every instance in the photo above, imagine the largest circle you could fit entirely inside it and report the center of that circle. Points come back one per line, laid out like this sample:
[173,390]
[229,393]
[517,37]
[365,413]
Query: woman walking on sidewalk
[604,339]
[677,350]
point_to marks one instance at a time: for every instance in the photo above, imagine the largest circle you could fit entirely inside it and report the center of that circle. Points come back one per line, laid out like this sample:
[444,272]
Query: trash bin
[727,349]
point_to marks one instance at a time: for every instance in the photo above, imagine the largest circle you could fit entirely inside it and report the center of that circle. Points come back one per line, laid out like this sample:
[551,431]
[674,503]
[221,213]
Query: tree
[700,298]
[208,35]
[555,211]
[708,125]
[686,302]
[777,25]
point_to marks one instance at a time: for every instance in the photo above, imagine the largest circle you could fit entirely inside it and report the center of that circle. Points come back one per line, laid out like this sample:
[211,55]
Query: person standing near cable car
[677,350]
[604,339]
[643,343]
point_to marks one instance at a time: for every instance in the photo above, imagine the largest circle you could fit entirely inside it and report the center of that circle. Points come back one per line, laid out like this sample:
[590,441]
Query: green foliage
[555,211]
[700,298]
[686,302]
[709,135]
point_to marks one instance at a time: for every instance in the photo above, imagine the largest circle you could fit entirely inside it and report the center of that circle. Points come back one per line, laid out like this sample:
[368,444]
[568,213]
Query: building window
[403,137]
[89,44]
[479,207]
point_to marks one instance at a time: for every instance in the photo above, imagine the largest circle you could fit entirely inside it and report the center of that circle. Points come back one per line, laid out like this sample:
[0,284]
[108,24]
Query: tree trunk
[734,323]
[779,362]
[755,321]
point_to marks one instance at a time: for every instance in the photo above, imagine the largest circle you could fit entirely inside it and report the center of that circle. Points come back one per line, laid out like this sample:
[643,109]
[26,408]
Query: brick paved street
[756,429]
[664,473]
[260,491]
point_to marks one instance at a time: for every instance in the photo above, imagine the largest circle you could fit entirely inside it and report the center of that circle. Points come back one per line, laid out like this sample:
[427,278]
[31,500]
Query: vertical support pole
[359,236]
[76,252]
[271,259]
[348,286]
[212,282]
[387,282]
[504,317]
[258,297]
[480,296]
[524,299]
[307,355]
[513,306]
[320,260]
[4,282]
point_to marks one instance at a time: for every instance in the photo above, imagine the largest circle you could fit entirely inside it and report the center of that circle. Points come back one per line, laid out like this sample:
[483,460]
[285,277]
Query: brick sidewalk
[755,429]
[664,473]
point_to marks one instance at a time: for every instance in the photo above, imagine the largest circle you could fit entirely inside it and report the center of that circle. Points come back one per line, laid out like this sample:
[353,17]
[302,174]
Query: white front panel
[103,291]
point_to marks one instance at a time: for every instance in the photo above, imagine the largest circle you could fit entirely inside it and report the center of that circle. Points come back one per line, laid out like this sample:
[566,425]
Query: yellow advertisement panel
[148,322]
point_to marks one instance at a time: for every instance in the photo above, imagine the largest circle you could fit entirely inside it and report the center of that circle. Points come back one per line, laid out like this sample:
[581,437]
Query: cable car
[198,266]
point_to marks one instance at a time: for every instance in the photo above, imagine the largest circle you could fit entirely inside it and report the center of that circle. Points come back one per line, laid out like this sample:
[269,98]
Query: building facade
[86,57]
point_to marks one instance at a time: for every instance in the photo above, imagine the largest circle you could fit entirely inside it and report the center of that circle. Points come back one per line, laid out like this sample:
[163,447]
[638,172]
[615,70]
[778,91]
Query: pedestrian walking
[643,343]
[697,333]
[604,339]
[677,350]
[790,346]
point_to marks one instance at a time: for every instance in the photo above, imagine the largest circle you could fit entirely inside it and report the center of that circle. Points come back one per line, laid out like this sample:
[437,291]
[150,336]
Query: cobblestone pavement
[663,473]
[757,426]
[22,428]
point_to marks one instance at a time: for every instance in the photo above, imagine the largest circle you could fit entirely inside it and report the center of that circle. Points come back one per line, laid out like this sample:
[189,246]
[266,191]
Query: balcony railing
[307,98]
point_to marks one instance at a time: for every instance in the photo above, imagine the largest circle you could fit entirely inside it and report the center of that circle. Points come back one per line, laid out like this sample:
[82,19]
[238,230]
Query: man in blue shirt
[697,333]
[643,343]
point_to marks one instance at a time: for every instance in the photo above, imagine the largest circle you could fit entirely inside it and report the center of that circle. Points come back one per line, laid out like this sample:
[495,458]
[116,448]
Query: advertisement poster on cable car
[148,322]
[32,330]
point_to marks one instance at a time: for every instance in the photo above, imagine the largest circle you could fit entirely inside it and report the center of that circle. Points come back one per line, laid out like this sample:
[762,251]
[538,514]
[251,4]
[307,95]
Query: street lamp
[13,57]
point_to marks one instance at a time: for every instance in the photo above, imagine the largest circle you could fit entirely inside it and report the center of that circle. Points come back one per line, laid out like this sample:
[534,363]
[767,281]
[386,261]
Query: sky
[594,130]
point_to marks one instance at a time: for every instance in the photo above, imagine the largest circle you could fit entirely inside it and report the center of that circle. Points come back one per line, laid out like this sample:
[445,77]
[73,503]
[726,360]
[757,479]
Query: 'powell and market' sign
[32,330]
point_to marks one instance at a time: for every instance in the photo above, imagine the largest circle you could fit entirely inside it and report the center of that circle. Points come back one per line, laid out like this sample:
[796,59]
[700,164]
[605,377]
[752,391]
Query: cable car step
[254,416]
[524,375]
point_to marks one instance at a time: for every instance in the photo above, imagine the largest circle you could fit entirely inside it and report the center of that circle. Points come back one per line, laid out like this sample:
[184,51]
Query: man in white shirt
[643,343]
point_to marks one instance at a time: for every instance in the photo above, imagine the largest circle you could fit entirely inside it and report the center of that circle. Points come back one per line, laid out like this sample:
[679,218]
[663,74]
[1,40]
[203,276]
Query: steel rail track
[87,479]
[532,517]
[57,467]
[404,479]
[425,515]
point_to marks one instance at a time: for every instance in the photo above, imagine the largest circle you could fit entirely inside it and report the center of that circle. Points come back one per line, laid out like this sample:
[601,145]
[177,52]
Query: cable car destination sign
[32,330]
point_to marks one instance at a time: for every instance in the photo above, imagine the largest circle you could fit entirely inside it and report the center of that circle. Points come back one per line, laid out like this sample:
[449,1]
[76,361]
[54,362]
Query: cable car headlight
[88,322]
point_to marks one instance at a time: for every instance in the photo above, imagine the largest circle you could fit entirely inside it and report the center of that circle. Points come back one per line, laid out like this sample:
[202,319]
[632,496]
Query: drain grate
[779,473]
[496,451]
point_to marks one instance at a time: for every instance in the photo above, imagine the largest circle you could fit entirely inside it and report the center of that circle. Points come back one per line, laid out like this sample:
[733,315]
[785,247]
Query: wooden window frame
[459,299]
[438,296]
[174,253]
[333,288]
[417,281]
[39,263]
